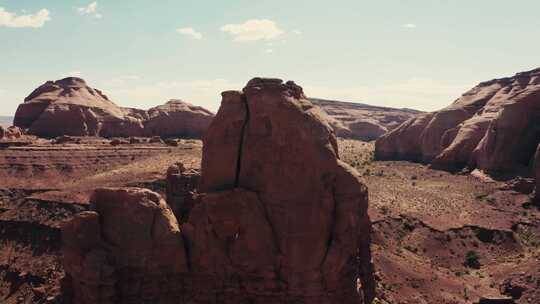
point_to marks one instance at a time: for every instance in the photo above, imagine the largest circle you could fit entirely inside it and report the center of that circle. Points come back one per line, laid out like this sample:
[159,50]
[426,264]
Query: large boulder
[277,217]
[494,127]
[129,249]
[70,107]
[362,121]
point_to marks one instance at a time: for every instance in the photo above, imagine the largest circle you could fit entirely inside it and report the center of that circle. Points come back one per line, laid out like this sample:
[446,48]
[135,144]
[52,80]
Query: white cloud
[189,31]
[269,51]
[71,74]
[36,20]
[91,10]
[297,32]
[253,30]
[409,25]
[205,93]
[416,93]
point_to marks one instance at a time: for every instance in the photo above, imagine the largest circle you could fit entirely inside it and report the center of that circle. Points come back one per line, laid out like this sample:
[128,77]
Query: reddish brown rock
[177,118]
[303,187]
[278,218]
[182,185]
[70,107]
[362,121]
[11,133]
[493,127]
[128,250]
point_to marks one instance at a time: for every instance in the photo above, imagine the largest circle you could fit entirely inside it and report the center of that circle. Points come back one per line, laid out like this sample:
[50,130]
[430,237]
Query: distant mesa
[494,127]
[70,107]
[362,121]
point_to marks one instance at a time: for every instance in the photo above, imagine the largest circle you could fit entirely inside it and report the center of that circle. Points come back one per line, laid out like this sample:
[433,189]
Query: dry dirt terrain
[438,237]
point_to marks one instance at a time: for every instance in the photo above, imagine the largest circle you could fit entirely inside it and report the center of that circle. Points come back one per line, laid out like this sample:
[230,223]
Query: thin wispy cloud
[191,32]
[90,10]
[297,32]
[253,30]
[9,19]
[409,25]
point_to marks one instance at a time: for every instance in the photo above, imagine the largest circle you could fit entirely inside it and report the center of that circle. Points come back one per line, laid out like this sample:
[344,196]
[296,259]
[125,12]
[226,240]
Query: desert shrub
[472,260]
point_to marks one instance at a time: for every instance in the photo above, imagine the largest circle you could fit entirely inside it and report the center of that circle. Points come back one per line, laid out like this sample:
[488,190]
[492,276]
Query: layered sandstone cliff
[494,127]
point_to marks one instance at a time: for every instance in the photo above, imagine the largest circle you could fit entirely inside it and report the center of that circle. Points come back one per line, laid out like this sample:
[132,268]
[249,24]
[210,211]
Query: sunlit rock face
[277,217]
[70,107]
[493,127]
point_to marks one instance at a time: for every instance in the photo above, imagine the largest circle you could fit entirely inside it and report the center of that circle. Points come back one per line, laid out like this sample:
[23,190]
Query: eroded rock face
[275,143]
[493,127]
[362,121]
[177,118]
[70,107]
[182,185]
[278,218]
[11,133]
[129,249]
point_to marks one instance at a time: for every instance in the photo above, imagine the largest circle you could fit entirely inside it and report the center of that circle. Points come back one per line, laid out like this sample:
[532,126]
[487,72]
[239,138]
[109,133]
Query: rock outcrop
[11,133]
[493,127]
[278,217]
[177,118]
[129,249]
[70,107]
[181,190]
[362,121]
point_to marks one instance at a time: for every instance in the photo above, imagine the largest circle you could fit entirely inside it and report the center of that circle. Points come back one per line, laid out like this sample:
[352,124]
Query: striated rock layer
[70,107]
[494,127]
[278,218]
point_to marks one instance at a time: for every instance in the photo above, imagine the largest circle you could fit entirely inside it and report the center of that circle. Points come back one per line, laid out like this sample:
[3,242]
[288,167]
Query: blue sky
[411,53]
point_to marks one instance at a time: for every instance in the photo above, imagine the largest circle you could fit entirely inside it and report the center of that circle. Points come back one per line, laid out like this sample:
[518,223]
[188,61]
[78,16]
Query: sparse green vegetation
[472,260]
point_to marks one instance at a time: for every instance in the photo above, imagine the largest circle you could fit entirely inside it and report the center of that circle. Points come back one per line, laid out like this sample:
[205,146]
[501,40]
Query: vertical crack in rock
[242,140]
[278,218]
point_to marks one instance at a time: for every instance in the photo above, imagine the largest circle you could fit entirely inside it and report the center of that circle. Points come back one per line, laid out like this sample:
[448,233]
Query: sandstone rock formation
[70,107]
[493,127]
[10,133]
[182,185]
[129,249]
[177,118]
[278,218]
[362,121]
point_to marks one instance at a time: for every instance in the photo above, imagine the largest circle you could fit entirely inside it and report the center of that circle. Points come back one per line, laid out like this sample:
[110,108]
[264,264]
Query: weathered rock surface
[70,107]
[177,118]
[493,127]
[181,188]
[11,133]
[129,249]
[362,121]
[278,218]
